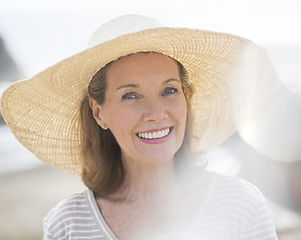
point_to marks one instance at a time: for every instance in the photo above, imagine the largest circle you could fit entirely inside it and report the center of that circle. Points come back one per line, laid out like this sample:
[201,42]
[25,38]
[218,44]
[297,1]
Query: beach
[27,197]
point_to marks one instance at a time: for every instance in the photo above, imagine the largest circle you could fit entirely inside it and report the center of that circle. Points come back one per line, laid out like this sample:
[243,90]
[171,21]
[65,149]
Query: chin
[159,159]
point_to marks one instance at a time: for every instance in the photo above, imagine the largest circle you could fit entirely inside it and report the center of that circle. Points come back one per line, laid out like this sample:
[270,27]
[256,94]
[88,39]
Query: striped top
[234,209]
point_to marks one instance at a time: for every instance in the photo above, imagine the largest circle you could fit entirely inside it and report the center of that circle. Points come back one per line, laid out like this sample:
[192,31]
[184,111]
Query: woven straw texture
[225,70]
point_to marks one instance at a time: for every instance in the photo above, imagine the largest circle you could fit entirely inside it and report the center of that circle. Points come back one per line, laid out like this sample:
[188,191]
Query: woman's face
[145,107]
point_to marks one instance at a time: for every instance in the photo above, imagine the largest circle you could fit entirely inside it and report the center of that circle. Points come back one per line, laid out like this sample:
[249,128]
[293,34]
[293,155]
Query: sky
[40,33]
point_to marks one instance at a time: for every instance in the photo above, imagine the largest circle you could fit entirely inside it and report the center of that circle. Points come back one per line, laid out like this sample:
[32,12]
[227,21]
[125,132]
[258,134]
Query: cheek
[121,121]
[179,109]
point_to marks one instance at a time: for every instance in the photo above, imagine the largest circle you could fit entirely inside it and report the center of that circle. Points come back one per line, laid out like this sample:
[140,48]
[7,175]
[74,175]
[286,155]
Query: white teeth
[160,134]
[153,135]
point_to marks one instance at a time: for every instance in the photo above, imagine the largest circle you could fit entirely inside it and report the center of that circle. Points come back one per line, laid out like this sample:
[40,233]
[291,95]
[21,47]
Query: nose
[154,111]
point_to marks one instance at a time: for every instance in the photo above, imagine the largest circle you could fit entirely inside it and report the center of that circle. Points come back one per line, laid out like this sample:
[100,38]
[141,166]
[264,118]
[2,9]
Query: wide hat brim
[43,111]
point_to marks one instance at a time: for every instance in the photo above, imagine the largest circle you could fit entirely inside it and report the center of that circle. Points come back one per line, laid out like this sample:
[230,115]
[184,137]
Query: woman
[130,115]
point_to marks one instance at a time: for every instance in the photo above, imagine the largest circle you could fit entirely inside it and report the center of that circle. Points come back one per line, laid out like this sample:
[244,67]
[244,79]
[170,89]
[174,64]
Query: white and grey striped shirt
[234,209]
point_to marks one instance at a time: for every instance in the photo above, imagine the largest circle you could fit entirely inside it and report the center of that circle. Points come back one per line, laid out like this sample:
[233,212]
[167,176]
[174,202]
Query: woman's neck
[147,184]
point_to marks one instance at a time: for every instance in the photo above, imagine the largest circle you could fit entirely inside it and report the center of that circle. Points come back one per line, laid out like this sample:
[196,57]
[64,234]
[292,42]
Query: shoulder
[73,211]
[226,187]
[242,204]
[234,199]
[68,206]
[234,209]
[237,188]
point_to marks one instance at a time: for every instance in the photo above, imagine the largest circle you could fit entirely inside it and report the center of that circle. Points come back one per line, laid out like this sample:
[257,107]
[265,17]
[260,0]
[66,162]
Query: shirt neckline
[99,218]
[110,234]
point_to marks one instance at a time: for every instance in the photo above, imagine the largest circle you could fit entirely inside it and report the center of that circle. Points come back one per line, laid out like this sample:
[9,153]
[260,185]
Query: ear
[97,111]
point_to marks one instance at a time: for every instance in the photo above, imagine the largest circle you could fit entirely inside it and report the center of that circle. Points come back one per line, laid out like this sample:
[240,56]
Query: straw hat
[226,71]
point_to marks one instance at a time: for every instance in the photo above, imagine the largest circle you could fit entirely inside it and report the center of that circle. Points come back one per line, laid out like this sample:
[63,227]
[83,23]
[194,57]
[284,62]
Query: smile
[155,134]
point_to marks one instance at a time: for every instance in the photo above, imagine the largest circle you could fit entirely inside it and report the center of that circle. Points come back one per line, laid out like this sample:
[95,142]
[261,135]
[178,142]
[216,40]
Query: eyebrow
[136,85]
[171,79]
[127,86]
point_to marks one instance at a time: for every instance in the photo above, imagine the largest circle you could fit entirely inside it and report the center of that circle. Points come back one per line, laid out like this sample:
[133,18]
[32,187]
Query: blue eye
[129,96]
[169,91]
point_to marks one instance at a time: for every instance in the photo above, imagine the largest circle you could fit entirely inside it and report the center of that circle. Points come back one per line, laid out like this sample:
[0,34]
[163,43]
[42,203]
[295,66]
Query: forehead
[143,66]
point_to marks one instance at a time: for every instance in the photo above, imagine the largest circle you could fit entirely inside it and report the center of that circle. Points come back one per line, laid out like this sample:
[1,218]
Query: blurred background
[266,150]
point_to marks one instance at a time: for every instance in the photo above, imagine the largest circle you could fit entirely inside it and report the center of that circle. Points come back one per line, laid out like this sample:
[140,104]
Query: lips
[155,134]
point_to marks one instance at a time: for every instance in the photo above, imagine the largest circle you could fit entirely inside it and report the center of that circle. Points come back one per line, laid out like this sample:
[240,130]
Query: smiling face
[145,107]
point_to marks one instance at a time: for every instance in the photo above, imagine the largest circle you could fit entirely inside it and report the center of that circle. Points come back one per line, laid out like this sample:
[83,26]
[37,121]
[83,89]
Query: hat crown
[121,26]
